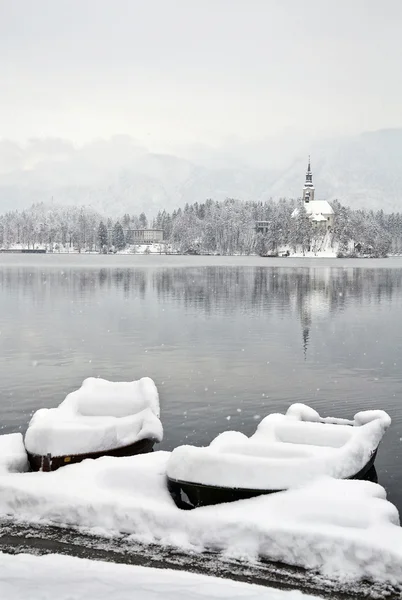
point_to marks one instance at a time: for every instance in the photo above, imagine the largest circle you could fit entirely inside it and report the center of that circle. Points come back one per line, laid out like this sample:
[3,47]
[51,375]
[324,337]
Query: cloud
[171,72]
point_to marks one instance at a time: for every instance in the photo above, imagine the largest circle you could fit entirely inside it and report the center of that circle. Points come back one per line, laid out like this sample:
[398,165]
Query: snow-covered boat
[286,451]
[101,418]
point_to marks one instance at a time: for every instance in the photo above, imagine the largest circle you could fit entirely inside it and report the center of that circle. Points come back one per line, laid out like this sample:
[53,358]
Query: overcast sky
[198,71]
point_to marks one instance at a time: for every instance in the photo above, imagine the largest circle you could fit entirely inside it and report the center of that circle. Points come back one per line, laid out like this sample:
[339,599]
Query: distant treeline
[226,227]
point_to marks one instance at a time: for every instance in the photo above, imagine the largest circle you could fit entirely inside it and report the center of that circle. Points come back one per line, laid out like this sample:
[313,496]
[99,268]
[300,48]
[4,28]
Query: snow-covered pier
[341,531]
[321,531]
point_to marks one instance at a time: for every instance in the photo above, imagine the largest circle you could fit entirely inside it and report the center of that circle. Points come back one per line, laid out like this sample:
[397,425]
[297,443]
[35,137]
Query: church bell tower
[308,190]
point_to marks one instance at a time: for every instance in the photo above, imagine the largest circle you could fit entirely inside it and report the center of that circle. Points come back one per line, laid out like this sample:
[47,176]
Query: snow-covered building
[262,226]
[320,212]
[144,236]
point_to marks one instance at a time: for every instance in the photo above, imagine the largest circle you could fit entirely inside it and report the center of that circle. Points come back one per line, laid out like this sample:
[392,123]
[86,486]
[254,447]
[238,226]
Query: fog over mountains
[119,175]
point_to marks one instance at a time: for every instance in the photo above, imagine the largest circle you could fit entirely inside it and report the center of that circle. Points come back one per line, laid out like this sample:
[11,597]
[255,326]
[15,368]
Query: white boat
[287,451]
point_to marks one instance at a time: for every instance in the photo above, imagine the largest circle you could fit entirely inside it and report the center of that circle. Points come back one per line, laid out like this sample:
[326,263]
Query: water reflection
[211,288]
[311,293]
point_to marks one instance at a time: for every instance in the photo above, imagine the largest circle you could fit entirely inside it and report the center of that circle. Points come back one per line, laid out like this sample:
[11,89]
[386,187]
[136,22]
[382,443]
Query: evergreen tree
[118,236]
[305,229]
[102,235]
[301,230]
[143,221]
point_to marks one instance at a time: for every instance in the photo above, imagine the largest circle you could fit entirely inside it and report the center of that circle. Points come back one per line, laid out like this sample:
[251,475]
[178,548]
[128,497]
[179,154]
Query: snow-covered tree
[102,235]
[118,239]
[143,221]
[225,227]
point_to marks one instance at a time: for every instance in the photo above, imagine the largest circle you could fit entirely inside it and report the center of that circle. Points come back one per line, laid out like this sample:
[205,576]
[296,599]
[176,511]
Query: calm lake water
[227,340]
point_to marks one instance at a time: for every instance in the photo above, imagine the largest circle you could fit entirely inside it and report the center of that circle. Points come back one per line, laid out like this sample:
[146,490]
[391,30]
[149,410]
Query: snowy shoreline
[324,524]
[346,530]
[39,540]
[65,578]
[156,250]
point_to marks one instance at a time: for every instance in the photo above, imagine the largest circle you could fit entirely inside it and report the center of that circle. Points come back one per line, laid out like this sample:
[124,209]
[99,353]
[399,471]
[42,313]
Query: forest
[225,228]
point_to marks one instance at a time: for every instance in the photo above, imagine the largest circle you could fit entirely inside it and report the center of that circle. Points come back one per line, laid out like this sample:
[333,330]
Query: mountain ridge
[119,175]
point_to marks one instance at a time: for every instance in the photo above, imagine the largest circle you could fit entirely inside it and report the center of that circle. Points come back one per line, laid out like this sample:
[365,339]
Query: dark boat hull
[52,463]
[187,495]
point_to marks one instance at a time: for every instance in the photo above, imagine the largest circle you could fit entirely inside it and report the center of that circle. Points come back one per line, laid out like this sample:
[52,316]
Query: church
[320,212]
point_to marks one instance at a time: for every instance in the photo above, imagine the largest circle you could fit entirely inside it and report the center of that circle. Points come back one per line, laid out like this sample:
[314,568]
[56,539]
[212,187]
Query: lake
[226,339]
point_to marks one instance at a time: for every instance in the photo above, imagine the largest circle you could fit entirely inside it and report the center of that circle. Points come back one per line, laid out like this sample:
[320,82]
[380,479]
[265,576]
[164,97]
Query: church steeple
[308,190]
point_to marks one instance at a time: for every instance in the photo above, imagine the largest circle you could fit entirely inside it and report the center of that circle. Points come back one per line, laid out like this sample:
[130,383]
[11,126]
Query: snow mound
[345,529]
[101,415]
[286,451]
[13,457]
[69,578]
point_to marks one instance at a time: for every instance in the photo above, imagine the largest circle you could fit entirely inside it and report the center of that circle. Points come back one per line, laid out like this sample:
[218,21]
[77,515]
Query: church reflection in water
[312,293]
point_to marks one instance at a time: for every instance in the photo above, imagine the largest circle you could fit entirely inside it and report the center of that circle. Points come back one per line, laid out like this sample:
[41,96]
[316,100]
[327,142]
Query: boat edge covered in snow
[188,495]
[52,463]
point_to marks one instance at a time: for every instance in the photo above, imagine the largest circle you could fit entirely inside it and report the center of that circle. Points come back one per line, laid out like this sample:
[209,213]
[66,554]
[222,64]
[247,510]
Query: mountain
[119,175]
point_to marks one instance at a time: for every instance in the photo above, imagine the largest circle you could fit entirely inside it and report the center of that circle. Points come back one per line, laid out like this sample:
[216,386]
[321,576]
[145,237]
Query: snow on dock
[345,530]
[13,457]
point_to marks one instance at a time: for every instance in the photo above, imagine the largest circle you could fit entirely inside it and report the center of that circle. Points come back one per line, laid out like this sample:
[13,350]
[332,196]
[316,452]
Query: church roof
[317,207]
